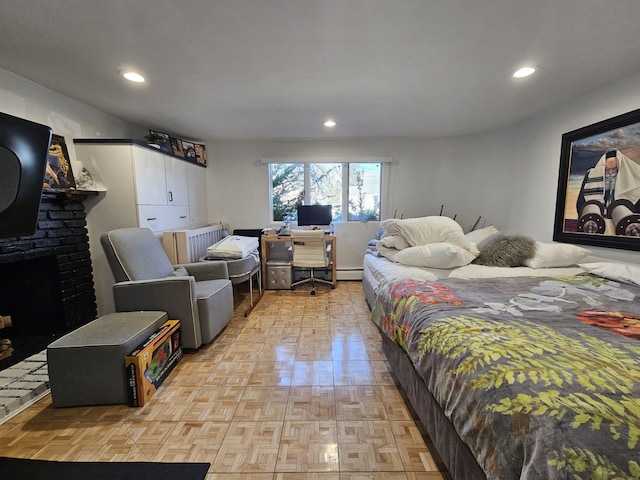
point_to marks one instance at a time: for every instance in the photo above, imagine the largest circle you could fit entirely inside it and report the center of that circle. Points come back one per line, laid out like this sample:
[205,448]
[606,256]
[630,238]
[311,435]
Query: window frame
[384,181]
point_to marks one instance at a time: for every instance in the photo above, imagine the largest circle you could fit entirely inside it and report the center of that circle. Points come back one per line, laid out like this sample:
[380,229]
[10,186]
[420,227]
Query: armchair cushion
[202,271]
[212,297]
[179,272]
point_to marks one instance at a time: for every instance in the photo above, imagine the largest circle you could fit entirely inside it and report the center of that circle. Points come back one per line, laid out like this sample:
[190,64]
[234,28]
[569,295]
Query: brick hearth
[61,245]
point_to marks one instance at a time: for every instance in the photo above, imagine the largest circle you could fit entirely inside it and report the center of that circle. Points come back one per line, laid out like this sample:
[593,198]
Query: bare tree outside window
[294,184]
[326,186]
[287,186]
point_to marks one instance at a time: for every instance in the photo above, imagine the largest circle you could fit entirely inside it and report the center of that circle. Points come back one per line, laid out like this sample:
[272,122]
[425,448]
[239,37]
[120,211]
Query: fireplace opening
[31,308]
[47,279]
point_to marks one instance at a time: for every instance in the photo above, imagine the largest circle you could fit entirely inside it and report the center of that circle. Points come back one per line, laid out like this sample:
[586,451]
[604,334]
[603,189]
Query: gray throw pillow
[505,250]
[179,272]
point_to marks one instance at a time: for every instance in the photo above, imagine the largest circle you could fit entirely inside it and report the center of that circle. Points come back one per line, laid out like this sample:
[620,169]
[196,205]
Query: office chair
[310,251]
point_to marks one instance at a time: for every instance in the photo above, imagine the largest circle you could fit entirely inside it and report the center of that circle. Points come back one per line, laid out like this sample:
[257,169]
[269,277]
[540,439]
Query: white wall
[67,117]
[71,119]
[508,177]
[424,175]
[538,157]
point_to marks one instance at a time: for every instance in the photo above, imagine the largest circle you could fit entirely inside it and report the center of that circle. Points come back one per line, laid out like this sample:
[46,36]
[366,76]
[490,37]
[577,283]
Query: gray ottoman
[86,366]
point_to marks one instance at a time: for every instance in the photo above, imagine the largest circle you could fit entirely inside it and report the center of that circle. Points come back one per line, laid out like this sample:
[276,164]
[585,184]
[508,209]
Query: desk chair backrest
[309,248]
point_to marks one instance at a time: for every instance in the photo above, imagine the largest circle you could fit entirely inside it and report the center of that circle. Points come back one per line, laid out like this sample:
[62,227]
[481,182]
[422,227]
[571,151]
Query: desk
[264,253]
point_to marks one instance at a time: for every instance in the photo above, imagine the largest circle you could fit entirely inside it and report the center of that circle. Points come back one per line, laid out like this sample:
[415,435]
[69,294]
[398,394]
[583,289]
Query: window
[353,188]
[364,191]
[287,189]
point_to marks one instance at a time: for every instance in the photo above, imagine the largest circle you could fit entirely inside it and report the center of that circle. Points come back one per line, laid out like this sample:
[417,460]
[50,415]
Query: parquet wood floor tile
[308,446]
[297,390]
[311,403]
[316,372]
[353,372]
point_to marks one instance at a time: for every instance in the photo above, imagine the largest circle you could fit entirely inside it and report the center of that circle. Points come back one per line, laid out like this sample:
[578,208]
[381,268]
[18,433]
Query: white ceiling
[225,69]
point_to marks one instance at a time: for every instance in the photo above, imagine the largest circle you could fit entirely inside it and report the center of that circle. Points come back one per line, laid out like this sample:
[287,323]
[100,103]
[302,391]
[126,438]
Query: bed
[517,372]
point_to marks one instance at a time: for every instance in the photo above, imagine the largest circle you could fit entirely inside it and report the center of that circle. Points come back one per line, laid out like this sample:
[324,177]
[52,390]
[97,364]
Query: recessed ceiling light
[524,72]
[133,77]
[330,123]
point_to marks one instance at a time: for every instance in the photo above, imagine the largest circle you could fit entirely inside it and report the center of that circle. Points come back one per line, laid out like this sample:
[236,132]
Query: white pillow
[393,241]
[476,236]
[549,255]
[620,272]
[424,230]
[434,255]
[233,246]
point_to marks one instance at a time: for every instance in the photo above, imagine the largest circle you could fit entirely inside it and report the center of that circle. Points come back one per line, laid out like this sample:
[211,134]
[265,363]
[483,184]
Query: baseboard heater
[349,273]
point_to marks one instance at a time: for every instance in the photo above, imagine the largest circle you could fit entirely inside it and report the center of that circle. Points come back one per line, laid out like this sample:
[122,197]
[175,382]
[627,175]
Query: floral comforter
[539,376]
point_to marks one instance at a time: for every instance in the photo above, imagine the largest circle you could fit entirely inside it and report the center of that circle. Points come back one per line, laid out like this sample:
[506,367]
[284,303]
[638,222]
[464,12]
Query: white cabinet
[138,180]
[149,176]
[197,182]
[177,182]
[160,217]
[164,192]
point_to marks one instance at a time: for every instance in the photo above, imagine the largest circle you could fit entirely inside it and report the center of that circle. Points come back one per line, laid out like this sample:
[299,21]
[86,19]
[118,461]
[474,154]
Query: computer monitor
[314,215]
[24,147]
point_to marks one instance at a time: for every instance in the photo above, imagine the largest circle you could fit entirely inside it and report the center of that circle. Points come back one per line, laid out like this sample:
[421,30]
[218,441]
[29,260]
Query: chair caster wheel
[313,292]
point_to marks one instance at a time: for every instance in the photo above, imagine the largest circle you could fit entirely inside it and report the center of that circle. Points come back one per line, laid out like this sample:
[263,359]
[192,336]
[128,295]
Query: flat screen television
[24,147]
[316,215]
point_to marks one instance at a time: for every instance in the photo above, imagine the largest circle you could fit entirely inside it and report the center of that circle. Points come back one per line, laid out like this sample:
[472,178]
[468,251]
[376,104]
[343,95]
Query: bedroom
[507,174]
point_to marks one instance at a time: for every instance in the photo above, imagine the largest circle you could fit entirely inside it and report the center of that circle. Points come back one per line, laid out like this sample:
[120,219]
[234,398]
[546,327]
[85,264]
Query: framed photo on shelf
[162,140]
[189,149]
[58,172]
[598,197]
[201,154]
[176,147]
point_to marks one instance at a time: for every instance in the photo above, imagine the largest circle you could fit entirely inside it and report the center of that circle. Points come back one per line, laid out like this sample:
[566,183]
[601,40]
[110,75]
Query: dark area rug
[23,469]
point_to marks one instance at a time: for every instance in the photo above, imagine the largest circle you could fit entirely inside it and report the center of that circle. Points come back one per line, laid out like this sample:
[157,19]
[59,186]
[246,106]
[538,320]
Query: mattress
[378,269]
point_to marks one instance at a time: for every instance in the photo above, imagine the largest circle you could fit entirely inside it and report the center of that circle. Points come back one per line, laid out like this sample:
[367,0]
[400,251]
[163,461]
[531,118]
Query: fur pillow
[505,250]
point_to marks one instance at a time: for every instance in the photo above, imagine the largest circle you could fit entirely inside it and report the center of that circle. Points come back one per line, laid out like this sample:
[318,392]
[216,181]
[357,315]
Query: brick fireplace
[47,278]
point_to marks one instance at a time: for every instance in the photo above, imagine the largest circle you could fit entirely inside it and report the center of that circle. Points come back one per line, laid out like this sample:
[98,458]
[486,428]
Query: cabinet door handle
[152,218]
[183,216]
[171,196]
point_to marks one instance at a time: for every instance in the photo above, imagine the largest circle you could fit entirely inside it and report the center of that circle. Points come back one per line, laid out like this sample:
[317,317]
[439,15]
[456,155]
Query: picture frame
[189,149]
[598,195]
[163,141]
[58,172]
[201,154]
[176,147]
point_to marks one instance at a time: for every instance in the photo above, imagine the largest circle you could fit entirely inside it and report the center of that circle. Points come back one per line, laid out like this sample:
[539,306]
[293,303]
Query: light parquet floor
[297,390]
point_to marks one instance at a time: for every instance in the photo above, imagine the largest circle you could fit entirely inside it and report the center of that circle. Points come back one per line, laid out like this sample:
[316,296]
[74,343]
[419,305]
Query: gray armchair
[200,295]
